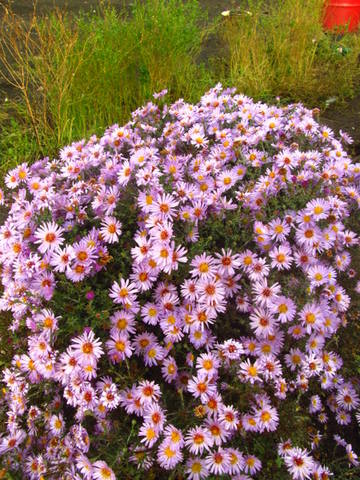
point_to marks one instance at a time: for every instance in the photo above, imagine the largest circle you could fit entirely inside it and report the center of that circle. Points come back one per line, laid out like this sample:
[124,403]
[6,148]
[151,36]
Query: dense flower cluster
[163,357]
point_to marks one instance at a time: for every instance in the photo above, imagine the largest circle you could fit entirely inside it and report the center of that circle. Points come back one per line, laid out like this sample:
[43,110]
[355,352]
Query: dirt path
[346,118]
[24,7]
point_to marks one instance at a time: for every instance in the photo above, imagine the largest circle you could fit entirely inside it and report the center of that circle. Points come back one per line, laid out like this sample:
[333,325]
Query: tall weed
[75,76]
[279,48]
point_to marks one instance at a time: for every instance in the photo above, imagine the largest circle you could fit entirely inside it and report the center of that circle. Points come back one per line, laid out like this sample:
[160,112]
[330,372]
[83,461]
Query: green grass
[279,48]
[119,61]
[80,75]
[74,76]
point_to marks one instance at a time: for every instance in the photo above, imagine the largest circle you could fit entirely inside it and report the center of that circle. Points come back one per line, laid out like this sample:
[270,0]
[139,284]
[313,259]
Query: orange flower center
[87,348]
[50,237]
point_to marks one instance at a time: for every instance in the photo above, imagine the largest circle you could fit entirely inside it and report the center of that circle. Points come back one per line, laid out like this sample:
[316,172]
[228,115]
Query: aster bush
[176,291]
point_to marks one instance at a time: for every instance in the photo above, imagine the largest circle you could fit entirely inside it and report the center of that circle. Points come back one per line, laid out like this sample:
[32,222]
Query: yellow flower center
[282,308]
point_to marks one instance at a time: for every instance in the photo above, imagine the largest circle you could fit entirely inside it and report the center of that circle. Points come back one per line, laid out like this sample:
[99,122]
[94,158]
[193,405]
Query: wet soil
[25,7]
[345,117]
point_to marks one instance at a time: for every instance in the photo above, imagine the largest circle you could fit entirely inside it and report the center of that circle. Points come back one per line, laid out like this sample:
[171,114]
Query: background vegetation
[71,76]
[280,49]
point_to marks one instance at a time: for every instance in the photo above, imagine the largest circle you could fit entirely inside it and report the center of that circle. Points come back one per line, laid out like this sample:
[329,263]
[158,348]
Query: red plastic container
[342,15]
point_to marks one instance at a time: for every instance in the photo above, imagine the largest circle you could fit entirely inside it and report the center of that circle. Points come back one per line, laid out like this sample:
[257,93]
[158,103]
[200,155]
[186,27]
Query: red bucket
[342,15]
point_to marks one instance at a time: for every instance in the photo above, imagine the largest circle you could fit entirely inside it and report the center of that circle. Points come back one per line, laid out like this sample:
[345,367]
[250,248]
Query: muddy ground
[345,117]
[25,7]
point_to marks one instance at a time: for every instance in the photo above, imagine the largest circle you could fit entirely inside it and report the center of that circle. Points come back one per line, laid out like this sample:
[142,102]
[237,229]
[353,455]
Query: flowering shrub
[175,289]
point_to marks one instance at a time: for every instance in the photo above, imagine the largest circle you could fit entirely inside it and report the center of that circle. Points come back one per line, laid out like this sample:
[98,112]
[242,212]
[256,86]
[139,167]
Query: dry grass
[76,76]
[279,48]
